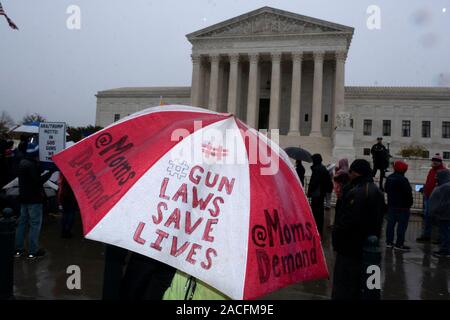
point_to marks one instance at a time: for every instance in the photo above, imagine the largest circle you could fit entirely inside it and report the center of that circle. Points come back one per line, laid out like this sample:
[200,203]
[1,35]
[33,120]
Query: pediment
[269,21]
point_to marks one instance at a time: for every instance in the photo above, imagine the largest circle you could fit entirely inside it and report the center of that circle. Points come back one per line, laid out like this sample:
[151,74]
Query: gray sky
[49,69]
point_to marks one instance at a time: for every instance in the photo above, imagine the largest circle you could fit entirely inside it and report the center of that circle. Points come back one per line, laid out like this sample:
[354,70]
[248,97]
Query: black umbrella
[298,154]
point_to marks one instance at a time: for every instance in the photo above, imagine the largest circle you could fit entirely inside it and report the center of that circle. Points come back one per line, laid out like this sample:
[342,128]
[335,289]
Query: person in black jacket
[300,171]
[400,200]
[380,156]
[360,216]
[319,185]
[31,197]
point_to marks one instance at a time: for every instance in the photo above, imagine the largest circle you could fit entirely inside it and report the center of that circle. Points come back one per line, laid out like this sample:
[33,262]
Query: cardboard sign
[52,139]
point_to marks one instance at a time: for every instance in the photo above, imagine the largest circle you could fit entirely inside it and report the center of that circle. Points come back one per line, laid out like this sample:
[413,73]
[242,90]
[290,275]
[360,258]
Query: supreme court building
[277,69]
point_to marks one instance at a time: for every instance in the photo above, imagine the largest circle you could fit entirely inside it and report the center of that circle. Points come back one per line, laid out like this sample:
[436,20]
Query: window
[325,118]
[426,154]
[406,128]
[367,130]
[446,129]
[351,123]
[446,155]
[426,129]
[387,128]
[116,117]
[306,117]
[367,151]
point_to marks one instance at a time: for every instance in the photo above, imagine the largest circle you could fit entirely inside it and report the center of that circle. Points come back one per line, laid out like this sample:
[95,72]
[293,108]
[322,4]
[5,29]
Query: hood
[443,177]
[316,159]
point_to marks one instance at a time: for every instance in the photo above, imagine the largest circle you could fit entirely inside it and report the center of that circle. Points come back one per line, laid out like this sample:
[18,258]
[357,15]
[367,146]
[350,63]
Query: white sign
[52,139]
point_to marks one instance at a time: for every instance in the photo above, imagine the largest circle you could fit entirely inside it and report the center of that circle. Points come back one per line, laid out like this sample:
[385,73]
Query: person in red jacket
[430,184]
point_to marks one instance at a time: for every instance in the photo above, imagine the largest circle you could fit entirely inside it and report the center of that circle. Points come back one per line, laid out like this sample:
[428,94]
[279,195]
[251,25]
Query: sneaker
[423,239]
[18,253]
[441,254]
[389,245]
[40,253]
[402,248]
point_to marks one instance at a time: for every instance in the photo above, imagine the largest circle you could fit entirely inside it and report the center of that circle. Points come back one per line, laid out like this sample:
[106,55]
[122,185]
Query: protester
[340,180]
[361,216]
[19,154]
[300,171]
[430,184]
[9,161]
[439,207]
[146,278]
[31,197]
[329,194]
[319,185]
[68,202]
[380,157]
[400,200]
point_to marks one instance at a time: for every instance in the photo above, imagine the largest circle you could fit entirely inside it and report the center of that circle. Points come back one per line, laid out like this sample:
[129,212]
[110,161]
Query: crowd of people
[359,213]
[361,207]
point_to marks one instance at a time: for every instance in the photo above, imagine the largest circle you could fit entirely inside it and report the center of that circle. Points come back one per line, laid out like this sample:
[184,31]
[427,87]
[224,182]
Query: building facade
[280,70]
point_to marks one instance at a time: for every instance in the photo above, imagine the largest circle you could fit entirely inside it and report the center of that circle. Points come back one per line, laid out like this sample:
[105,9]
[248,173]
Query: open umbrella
[298,154]
[182,185]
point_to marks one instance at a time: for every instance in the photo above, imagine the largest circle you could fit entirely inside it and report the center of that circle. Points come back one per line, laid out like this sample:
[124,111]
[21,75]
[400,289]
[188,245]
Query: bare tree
[6,122]
[28,118]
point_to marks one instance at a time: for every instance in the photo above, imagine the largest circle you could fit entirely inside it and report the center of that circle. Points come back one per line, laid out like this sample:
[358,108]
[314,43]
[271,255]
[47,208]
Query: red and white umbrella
[200,191]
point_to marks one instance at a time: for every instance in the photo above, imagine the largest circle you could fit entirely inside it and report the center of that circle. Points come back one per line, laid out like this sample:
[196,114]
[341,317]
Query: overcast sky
[49,69]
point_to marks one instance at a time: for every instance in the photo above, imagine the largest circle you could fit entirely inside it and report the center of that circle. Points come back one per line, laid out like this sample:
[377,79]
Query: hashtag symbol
[217,153]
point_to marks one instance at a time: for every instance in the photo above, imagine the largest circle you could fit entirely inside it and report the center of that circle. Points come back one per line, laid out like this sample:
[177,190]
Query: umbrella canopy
[32,129]
[182,185]
[50,186]
[298,154]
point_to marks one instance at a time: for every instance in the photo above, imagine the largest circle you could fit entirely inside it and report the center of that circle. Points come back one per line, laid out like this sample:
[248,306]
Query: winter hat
[32,150]
[437,157]
[362,167]
[400,166]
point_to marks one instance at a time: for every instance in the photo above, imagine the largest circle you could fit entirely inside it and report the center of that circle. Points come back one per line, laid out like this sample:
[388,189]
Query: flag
[10,22]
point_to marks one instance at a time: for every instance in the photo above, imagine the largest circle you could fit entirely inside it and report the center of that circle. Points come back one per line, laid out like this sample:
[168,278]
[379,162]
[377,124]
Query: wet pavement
[414,275]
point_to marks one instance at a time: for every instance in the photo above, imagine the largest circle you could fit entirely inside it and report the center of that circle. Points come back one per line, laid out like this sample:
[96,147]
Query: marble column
[339,86]
[233,84]
[214,83]
[316,128]
[294,124]
[275,83]
[196,85]
[253,92]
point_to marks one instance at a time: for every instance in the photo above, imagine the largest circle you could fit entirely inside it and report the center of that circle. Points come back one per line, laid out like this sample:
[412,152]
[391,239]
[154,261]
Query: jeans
[399,217]
[444,231]
[426,226]
[30,215]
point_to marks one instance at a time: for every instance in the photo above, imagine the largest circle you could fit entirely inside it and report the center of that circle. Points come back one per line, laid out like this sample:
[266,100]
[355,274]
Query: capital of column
[297,56]
[276,56]
[234,57]
[214,57]
[254,58]
[319,55]
[341,56]
[196,58]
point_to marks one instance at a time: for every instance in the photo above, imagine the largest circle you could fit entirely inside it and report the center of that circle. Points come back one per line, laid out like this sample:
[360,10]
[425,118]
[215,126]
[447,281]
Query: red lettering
[228,185]
[216,211]
[174,218]
[161,236]
[208,176]
[188,227]
[162,192]
[157,220]
[208,229]
[182,192]
[192,253]
[174,251]
[195,179]
[137,233]
[196,201]
[209,252]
